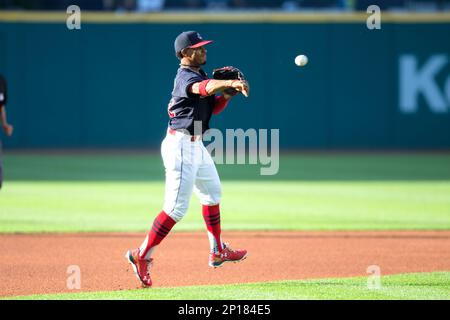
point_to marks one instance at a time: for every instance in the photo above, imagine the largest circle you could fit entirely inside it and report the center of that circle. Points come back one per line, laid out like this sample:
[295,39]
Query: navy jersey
[185,107]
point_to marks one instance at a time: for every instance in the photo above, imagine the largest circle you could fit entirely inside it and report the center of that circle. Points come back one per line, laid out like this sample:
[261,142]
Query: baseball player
[188,165]
[7,128]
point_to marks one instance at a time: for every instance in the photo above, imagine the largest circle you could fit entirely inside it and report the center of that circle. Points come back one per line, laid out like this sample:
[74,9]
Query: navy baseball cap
[189,39]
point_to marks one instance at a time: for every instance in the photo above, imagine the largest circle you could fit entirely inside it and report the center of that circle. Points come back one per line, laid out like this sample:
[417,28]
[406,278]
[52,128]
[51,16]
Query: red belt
[173,132]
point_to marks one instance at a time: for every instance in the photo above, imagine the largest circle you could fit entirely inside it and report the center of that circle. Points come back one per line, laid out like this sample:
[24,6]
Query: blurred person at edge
[6,127]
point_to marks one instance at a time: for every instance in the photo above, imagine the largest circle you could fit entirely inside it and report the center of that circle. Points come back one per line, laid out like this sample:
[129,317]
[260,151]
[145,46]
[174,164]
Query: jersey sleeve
[184,82]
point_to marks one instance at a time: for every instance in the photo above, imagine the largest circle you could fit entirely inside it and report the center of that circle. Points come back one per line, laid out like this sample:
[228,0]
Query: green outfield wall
[108,84]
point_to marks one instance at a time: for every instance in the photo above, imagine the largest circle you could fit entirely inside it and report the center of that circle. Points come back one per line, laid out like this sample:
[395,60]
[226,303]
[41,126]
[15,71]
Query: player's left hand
[8,129]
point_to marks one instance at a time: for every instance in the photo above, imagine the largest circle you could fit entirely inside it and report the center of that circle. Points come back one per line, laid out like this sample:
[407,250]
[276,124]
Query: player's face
[200,55]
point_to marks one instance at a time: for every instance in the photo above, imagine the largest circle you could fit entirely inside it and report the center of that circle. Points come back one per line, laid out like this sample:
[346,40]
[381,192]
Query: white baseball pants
[189,167]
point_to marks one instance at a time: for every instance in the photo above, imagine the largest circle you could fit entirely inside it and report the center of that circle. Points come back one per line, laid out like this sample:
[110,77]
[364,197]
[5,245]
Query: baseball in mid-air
[301,60]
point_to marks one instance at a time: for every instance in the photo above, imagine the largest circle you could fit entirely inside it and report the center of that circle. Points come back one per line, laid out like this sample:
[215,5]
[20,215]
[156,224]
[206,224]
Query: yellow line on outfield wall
[219,17]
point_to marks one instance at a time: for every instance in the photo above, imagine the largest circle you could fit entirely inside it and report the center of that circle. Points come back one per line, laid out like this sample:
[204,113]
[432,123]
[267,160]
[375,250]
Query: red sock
[211,214]
[161,227]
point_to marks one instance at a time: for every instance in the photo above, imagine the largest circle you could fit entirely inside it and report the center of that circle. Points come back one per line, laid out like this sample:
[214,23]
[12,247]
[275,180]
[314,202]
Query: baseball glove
[229,73]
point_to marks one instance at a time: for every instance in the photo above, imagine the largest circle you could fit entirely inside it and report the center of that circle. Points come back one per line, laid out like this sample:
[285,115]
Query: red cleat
[226,255]
[140,266]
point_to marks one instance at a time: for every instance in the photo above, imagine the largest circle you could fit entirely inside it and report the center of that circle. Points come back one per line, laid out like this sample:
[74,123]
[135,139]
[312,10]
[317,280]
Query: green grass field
[123,192]
[421,286]
[80,193]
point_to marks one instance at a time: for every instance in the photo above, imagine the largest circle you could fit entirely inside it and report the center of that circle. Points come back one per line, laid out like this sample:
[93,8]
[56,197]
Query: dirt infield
[35,264]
